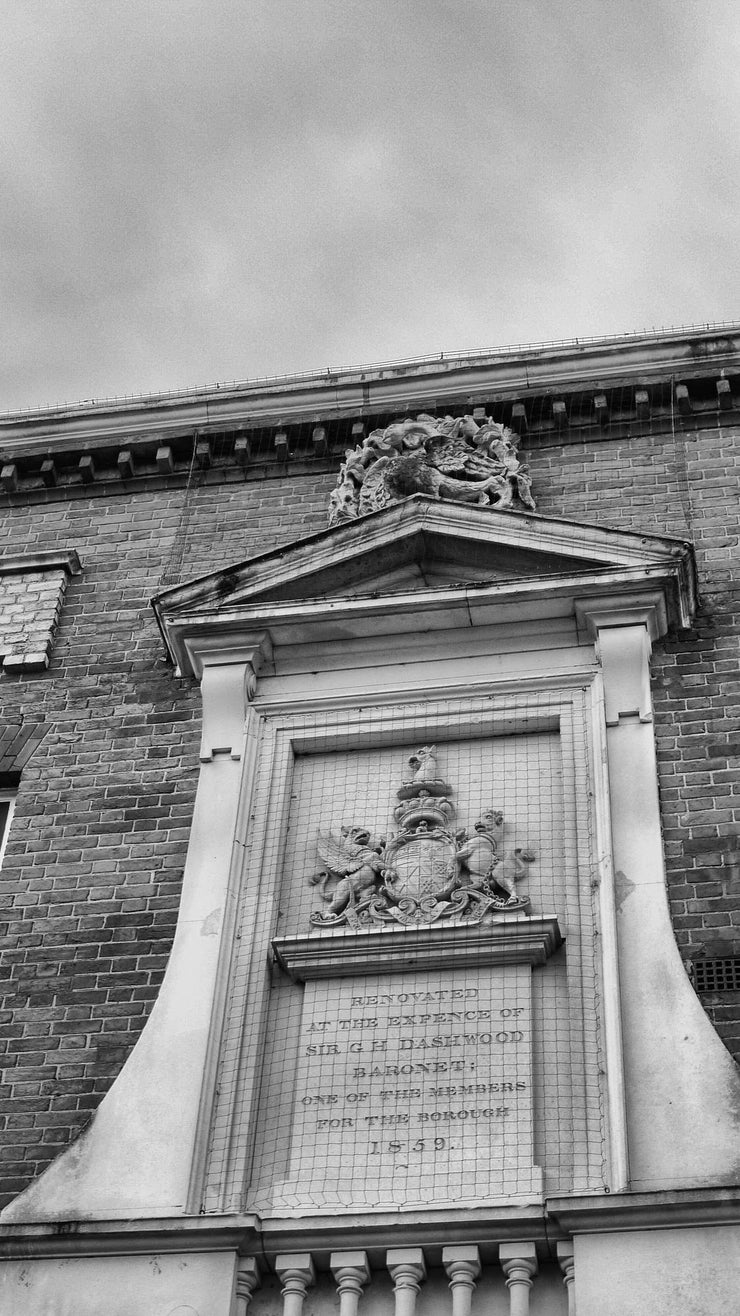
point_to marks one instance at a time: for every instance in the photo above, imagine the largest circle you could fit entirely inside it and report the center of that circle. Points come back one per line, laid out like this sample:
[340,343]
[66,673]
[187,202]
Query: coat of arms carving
[452,458]
[424,872]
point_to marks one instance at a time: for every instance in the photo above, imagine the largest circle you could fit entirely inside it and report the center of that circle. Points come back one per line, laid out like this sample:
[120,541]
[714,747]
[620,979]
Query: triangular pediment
[423,544]
[421,556]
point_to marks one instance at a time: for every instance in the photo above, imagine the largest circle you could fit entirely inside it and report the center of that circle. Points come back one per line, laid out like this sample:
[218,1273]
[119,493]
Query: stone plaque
[413,1089]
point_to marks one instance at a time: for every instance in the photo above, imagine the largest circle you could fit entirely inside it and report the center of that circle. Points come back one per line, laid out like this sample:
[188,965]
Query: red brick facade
[90,880]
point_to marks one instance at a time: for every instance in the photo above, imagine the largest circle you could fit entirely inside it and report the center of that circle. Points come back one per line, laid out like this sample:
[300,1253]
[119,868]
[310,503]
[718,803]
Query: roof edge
[567,356]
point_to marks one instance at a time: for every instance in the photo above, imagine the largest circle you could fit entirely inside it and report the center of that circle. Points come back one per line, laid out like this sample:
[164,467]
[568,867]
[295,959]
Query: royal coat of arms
[452,458]
[425,871]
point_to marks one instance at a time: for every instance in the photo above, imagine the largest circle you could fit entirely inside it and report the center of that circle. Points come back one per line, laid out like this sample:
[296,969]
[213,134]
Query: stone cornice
[129,1237]
[516,939]
[428,610]
[523,368]
[668,1209]
[344,583]
[485,1226]
[584,390]
[333,550]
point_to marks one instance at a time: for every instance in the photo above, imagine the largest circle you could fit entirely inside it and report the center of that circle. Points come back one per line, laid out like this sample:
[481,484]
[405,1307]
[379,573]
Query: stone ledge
[664,1209]
[36,660]
[249,1234]
[24,563]
[129,1237]
[516,939]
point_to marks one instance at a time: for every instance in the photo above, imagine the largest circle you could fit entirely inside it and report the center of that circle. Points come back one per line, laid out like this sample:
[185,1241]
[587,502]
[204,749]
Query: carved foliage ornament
[455,459]
[425,871]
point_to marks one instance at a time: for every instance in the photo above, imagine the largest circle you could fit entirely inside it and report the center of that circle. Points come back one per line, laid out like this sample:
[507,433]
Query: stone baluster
[519,1264]
[567,1265]
[462,1264]
[407,1270]
[351,1272]
[296,1273]
[247,1280]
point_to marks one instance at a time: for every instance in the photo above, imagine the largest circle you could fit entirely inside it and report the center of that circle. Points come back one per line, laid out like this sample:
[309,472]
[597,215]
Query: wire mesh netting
[402,1080]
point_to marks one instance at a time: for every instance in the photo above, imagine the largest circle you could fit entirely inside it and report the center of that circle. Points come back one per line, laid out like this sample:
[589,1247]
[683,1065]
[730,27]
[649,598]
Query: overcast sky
[203,190]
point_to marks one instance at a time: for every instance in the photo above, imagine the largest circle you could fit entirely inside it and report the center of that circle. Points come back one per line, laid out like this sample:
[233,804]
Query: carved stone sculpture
[454,458]
[353,863]
[425,872]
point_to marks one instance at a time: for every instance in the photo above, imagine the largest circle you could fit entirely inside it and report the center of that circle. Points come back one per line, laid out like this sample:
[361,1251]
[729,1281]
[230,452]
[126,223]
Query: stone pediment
[423,552]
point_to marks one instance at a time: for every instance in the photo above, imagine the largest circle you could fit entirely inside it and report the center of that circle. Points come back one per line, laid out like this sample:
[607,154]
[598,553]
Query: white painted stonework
[153,1285]
[405,1100]
[252,1096]
[628,1274]
[137,1154]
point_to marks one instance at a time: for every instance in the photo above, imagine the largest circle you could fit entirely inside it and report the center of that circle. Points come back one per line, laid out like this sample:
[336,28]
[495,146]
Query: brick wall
[684,485]
[89,887]
[90,883]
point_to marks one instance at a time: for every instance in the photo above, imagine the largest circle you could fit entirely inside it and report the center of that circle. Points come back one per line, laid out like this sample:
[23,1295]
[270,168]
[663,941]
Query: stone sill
[24,563]
[36,661]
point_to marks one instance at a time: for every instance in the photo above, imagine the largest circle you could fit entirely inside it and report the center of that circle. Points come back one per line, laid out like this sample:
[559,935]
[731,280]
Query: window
[7,802]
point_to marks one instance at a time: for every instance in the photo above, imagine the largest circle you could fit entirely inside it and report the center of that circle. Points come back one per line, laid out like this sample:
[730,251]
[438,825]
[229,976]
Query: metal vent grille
[717,975]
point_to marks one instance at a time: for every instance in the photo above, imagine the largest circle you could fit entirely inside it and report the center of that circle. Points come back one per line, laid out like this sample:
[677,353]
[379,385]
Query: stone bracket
[624,653]
[622,633]
[228,677]
[224,707]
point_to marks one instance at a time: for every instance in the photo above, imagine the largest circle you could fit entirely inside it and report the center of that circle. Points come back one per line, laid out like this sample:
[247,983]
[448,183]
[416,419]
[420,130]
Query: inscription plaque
[413,1089]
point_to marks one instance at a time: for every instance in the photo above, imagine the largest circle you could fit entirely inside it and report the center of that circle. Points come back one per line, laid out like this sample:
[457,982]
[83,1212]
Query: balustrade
[408,1270]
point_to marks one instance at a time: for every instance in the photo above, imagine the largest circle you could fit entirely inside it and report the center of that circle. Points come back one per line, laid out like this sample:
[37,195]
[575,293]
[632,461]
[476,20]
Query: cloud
[209,189]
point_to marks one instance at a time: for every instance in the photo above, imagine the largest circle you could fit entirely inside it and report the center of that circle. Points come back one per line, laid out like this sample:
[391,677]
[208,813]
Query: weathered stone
[454,459]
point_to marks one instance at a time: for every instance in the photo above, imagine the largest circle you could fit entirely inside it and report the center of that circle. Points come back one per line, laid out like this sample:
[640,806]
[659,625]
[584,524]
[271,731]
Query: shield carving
[421,865]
